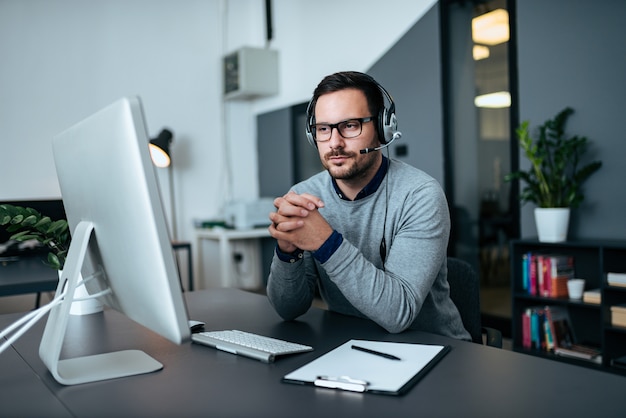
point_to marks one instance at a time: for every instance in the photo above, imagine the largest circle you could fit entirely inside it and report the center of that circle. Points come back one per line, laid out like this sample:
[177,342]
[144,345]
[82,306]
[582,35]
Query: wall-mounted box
[250,73]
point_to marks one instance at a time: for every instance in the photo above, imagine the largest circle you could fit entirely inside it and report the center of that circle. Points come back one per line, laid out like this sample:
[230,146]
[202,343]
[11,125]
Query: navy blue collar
[370,187]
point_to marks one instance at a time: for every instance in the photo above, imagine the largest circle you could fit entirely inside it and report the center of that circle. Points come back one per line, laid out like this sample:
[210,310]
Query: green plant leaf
[57,227]
[24,236]
[43,223]
[30,220]
[26,224]
[54,261]
[554,178]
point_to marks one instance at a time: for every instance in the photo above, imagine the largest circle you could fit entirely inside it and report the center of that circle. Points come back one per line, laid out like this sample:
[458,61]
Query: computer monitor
[120,242]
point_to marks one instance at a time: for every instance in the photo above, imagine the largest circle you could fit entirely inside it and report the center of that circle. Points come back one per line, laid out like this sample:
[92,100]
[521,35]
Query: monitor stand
[89,368]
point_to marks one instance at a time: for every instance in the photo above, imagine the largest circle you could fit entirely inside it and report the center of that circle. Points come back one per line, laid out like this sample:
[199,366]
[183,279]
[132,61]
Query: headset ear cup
[391,127]
[387,125]
[310,121]
[309,137]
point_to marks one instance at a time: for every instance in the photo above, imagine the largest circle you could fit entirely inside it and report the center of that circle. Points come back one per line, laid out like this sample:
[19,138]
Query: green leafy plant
[28,224]
[554,178]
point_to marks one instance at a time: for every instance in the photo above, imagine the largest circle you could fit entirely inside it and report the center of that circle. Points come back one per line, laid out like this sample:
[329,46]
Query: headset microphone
[395,136]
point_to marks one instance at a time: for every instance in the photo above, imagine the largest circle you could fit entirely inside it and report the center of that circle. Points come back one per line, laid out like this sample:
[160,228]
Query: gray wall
[570,53]
[573,53]
[411,72]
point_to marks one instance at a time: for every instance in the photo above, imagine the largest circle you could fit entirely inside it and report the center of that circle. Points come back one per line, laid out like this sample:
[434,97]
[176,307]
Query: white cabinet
[229,257]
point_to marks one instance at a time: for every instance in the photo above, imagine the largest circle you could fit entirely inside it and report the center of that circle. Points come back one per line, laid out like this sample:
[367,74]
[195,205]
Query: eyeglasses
[349,128]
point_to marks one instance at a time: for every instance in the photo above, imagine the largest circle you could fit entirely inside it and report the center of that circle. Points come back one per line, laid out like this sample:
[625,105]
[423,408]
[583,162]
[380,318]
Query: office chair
[465,293]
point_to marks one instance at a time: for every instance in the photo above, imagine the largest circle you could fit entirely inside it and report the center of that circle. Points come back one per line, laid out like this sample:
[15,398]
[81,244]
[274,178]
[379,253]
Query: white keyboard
[248,344]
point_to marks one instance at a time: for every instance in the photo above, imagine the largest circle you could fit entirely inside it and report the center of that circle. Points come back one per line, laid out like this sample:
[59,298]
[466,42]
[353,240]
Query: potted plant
[554,180]
[28,224]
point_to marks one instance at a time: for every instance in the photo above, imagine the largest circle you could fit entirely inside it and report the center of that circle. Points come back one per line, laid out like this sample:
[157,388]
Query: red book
[533,274]
[526,339]
[547,277]
[560,271]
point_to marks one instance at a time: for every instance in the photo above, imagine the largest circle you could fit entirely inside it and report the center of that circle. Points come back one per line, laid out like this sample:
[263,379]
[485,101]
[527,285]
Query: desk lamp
[161,157]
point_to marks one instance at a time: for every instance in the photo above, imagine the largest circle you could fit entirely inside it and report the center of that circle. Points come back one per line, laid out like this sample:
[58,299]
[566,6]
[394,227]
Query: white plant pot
[552,224]
[83,307]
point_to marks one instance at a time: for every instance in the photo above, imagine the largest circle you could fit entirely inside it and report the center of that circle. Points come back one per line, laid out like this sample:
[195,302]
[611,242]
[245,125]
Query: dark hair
[355,80]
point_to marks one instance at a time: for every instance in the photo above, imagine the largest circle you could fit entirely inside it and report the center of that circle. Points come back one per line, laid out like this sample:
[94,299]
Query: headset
[386,121]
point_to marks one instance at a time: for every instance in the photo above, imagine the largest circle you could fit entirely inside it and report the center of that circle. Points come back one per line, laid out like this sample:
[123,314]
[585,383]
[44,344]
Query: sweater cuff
[328,248]
[289,257]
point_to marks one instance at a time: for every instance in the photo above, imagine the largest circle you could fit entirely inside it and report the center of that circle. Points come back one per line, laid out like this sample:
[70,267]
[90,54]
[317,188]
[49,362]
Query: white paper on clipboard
[345,365]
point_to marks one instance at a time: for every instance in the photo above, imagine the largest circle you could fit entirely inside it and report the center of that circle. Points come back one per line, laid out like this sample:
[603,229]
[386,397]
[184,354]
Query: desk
[27,274]
[225,239]
[471,380]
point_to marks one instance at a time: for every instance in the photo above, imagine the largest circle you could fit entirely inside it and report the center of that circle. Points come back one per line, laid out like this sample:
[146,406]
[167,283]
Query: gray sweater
[412,291]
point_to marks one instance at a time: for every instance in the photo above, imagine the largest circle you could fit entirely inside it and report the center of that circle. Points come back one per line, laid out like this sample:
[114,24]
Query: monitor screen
[120,242]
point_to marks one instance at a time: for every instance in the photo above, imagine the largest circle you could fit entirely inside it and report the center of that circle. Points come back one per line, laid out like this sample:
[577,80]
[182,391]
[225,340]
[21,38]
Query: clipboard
[361,370]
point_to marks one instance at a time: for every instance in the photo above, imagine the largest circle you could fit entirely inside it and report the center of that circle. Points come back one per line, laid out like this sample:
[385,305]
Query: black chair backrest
[465,293]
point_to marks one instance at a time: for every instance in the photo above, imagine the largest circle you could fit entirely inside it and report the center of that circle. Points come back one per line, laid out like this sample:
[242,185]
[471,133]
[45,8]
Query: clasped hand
[297,223]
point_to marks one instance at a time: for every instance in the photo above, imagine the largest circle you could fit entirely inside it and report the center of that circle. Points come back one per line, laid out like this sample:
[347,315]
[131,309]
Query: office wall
[65,59]
[411,72]
[572,53]
[559,64]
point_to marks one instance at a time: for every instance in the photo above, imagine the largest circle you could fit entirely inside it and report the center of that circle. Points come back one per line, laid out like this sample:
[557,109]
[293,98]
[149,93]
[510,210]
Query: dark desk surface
[26,274]
[471,380]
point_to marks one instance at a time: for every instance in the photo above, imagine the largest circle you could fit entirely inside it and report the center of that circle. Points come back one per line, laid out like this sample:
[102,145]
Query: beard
[355,166]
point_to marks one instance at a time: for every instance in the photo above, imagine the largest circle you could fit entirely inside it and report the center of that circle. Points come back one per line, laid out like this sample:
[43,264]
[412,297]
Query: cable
[30,319]
[383,243]
[93,296]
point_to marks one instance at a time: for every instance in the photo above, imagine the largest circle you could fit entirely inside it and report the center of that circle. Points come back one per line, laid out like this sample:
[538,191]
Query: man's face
[341,156]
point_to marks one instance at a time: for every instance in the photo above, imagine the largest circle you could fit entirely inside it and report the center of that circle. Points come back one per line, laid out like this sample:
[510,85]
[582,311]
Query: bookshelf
[590,322]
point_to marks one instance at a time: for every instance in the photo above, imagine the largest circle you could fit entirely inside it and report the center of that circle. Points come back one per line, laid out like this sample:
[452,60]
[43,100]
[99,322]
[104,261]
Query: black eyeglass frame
[332,126]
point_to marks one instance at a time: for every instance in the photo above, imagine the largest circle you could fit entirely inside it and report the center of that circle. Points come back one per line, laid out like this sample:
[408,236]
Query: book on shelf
[526,332]
[565,341]
[558,320]
[616,279]
[618,315]
[592,296]
[546,274]
[548,329]
[537,332]
[581,352]
[525,272]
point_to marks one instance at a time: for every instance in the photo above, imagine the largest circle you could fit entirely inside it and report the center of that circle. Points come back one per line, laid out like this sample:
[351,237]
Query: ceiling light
[491,28]
[495,100]
[480,52]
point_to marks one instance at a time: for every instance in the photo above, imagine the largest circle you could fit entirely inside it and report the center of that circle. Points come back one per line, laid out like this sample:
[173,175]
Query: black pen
[376,353]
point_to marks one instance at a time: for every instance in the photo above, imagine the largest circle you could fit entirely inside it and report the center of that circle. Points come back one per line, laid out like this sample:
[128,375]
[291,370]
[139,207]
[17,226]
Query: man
[371,233]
